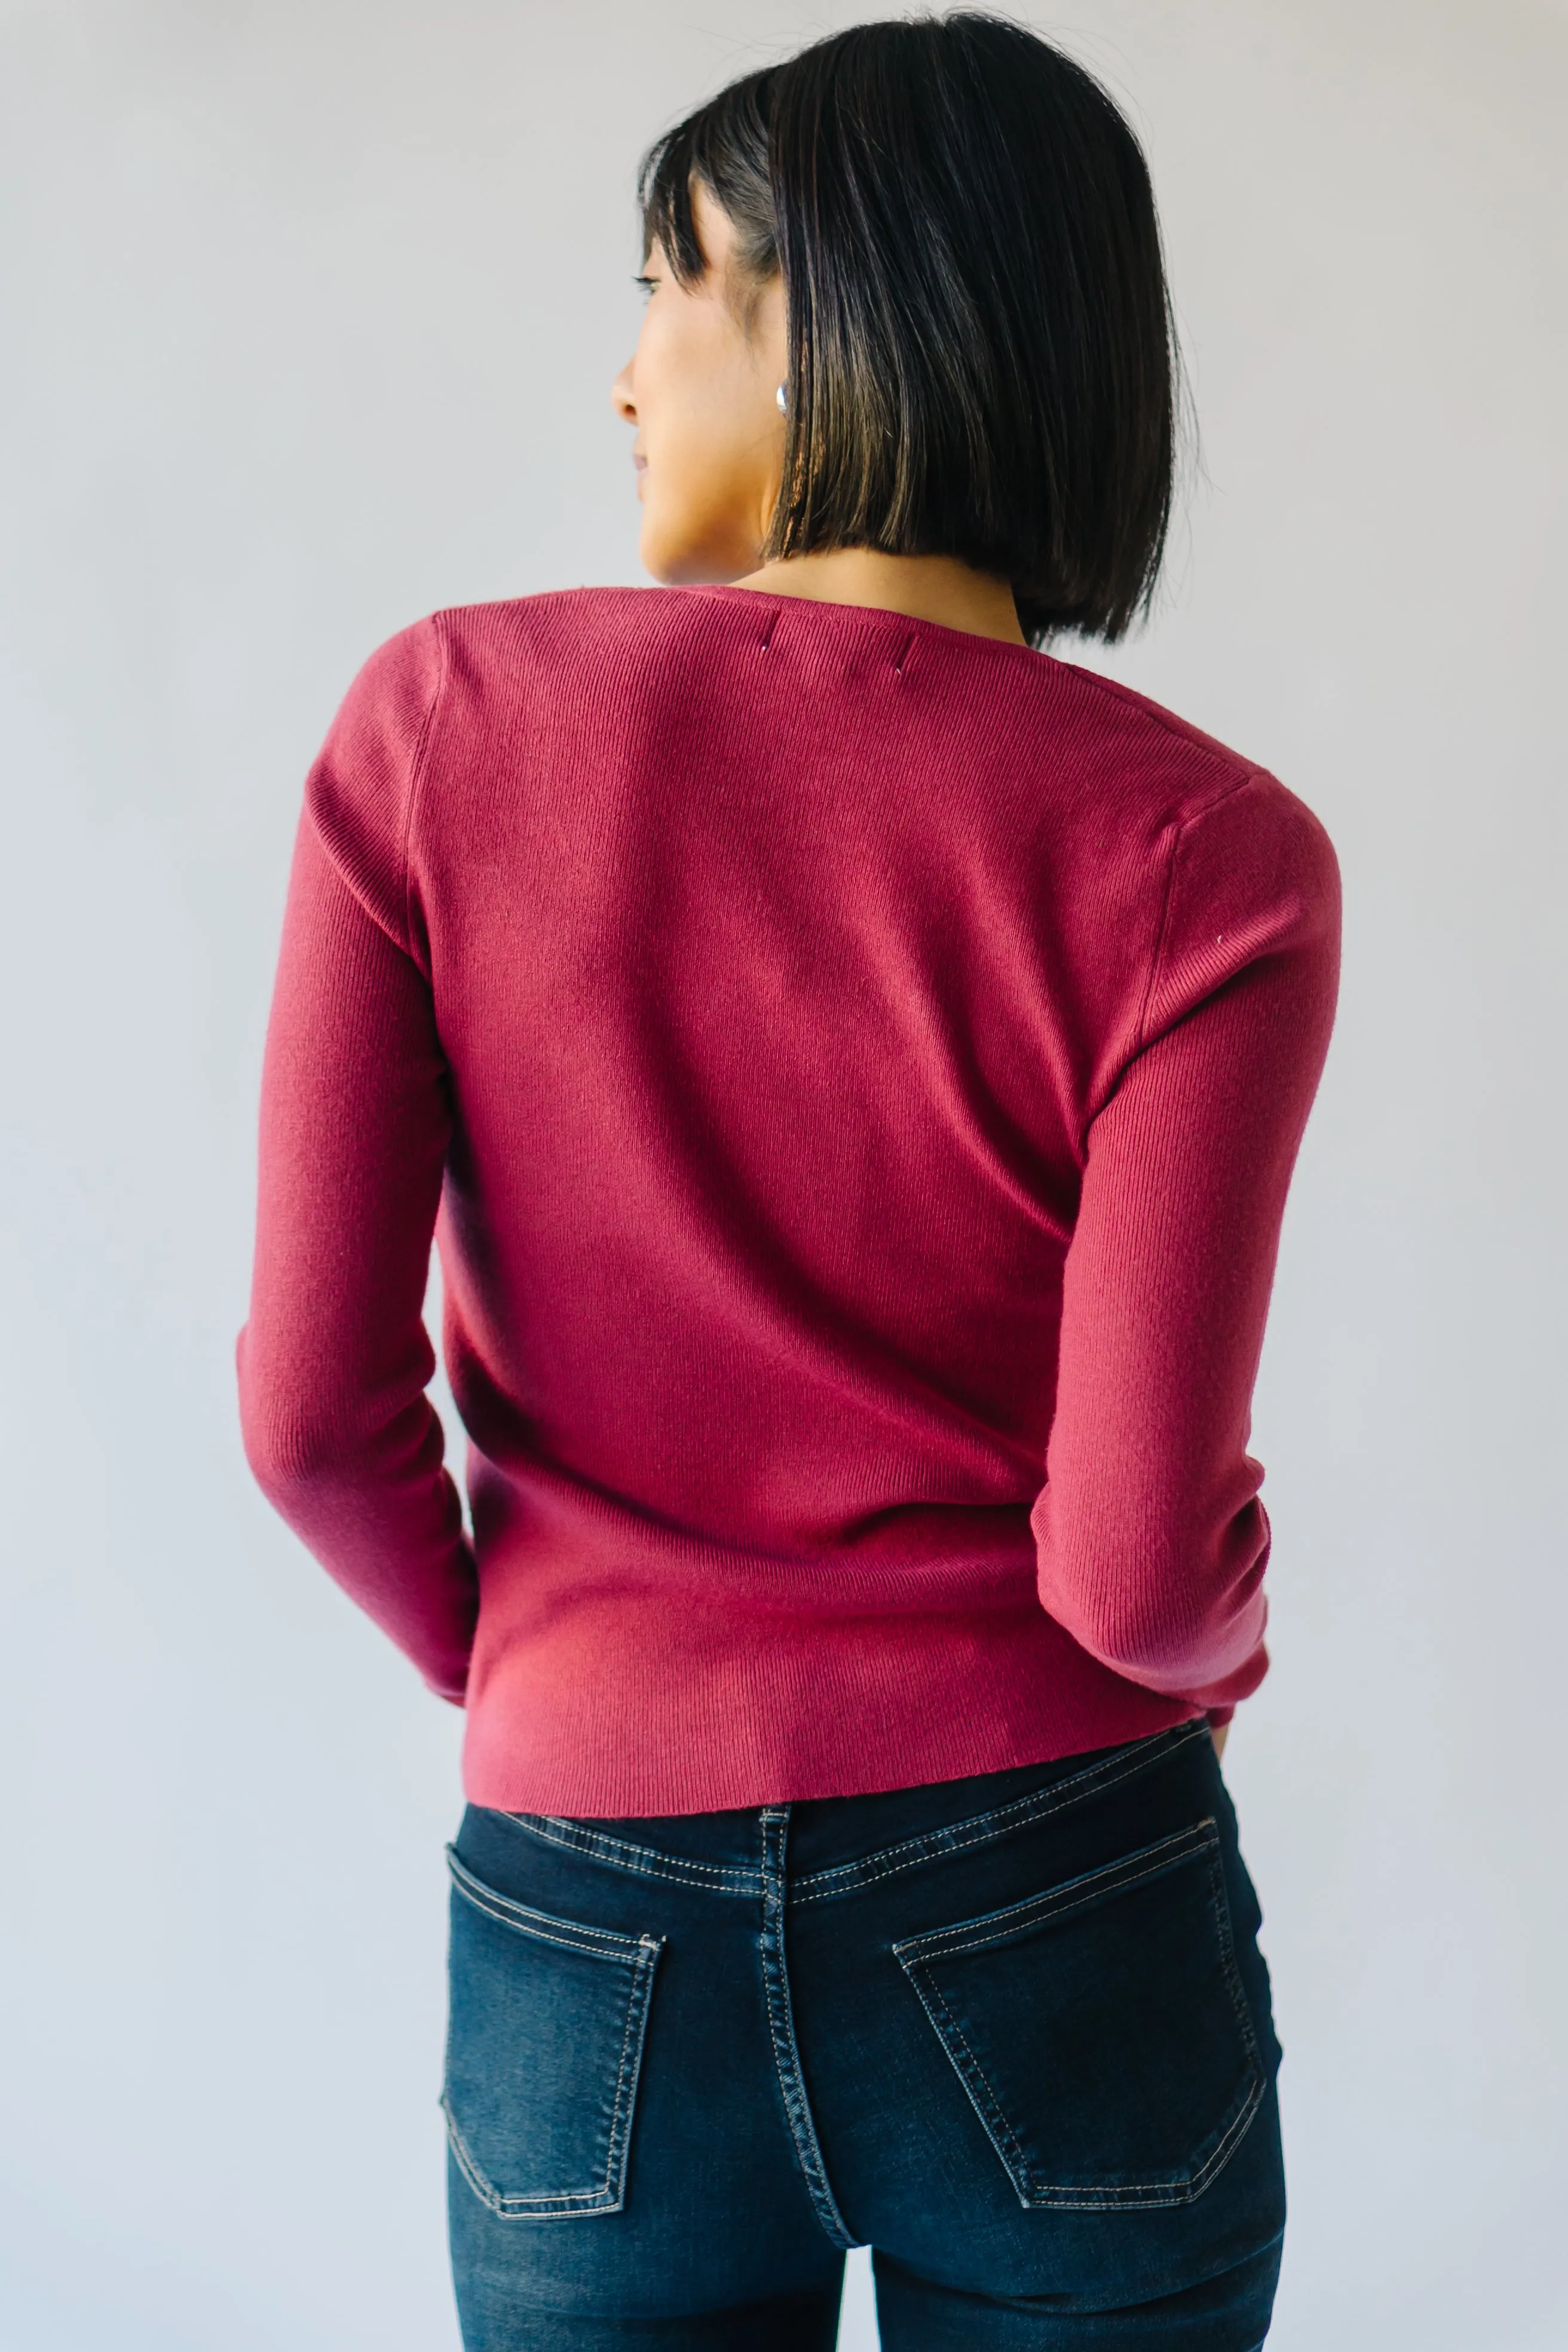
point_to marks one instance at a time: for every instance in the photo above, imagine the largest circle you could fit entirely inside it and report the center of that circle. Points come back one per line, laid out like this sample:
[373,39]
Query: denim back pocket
[543,2049]
[1100,2028]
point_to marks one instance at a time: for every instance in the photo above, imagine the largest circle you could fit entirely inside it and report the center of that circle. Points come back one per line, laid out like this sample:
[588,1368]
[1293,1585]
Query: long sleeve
[355,1122]
[1152,1538]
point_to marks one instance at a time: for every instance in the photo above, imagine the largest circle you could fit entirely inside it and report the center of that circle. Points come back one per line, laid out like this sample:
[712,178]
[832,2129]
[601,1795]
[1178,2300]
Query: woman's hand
[1219,1733]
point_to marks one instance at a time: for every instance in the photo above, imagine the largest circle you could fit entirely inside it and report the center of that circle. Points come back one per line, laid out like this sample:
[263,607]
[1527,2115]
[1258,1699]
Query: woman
[852,1064]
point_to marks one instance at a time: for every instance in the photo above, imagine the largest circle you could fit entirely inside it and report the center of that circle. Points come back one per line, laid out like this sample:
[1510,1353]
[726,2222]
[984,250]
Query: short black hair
[981,356]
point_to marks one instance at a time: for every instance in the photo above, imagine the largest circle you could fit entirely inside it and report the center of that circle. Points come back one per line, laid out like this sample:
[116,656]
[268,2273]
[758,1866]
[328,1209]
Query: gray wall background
[311,309]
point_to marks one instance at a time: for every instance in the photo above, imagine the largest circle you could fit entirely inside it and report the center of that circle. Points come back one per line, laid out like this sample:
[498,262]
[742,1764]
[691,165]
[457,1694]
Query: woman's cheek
[690,497]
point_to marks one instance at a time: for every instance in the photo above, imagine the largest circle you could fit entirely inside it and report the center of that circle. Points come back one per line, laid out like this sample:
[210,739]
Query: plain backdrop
[312,309]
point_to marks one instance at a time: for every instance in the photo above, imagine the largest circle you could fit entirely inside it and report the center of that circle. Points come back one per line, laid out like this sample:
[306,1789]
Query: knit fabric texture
[851,1071]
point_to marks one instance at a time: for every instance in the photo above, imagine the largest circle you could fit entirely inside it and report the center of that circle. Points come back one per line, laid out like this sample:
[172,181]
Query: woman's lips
[641,462]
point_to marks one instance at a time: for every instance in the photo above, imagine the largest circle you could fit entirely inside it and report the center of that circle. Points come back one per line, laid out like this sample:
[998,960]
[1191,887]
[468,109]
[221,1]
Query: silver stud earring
[783,401]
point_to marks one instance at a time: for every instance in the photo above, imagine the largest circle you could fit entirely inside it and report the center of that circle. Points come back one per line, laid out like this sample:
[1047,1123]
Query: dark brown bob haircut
[982,360]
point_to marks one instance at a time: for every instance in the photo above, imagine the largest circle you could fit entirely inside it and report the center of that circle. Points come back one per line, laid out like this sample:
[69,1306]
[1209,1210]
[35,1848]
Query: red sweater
[852,1071]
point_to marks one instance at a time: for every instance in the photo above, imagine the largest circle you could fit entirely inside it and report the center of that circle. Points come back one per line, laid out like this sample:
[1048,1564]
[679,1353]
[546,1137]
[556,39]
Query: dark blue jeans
[1013,2032]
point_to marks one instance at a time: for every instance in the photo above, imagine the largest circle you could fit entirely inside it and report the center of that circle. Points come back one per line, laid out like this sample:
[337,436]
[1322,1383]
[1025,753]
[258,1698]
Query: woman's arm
[1152,1538]
[334,1360]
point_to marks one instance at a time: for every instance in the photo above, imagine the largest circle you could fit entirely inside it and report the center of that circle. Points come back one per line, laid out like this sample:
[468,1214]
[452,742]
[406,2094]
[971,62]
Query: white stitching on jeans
[596,1943]
[936,1944]
[786,2054]
[1203,1840]
[996,2116]
[492,2197]
[617,2133]
[1181,2193]
[527,2200]
[1186,2192]
[646,1860]
[935,1845]
[847,1877]
[641,1960]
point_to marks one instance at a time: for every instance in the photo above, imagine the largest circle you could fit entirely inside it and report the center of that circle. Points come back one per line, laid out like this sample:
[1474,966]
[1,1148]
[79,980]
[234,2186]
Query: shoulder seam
[417,766]
[1140,1033]
[1168,722]
[1178,827]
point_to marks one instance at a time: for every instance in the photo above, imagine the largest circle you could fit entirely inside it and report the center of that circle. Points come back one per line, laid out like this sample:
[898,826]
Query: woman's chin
[684,560]
[661,556]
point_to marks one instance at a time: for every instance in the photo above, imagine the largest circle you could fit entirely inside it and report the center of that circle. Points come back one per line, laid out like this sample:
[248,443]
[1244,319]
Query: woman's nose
[622,398]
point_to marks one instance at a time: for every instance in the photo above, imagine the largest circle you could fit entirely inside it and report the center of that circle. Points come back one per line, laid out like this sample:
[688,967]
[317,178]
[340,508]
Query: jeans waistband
[837,1844]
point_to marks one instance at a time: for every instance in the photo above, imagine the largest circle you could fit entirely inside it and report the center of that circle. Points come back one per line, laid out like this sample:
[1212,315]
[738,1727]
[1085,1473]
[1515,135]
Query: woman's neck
[925,587]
